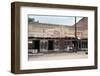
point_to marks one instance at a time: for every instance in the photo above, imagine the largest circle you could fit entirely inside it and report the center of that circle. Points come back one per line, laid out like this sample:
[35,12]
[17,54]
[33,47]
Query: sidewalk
[59,56]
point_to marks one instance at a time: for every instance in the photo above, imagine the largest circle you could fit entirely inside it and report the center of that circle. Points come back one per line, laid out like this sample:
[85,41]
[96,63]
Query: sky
[62,20]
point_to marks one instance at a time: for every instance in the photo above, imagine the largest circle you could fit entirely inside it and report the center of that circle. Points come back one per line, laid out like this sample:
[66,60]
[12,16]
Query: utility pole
[75,29]
[75,36]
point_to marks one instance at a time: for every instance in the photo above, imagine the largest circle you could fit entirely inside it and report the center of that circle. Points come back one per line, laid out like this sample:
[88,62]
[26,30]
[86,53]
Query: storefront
[46,38]
[49,45]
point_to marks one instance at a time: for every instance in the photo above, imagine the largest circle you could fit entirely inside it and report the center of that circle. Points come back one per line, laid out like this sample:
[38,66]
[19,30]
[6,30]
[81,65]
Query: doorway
[50,45]
[36,45]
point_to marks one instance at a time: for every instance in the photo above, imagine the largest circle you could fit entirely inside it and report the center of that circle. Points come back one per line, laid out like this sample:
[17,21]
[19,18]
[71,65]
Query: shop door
[50,45]
[36,45]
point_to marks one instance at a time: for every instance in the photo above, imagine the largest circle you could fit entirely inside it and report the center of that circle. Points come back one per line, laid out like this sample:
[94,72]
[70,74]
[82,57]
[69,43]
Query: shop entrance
[36,45]
[50,45]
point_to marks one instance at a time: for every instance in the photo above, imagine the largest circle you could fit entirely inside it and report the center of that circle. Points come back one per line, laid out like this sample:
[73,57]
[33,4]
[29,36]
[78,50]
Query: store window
[43,45]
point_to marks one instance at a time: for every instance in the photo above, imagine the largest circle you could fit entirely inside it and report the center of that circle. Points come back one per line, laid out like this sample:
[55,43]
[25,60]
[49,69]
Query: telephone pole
[76,47]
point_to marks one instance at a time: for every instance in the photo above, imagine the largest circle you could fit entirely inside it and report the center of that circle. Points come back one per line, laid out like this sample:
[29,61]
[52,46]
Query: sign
[79,34]
[52,33]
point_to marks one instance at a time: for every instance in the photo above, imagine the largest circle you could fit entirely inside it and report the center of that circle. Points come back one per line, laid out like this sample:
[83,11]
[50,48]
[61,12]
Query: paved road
[58,56]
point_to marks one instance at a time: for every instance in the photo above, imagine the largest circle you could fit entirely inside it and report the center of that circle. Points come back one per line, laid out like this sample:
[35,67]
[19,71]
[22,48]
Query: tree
[31,20]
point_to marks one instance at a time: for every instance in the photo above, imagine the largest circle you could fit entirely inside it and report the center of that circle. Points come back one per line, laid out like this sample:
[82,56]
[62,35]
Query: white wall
[5,42]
